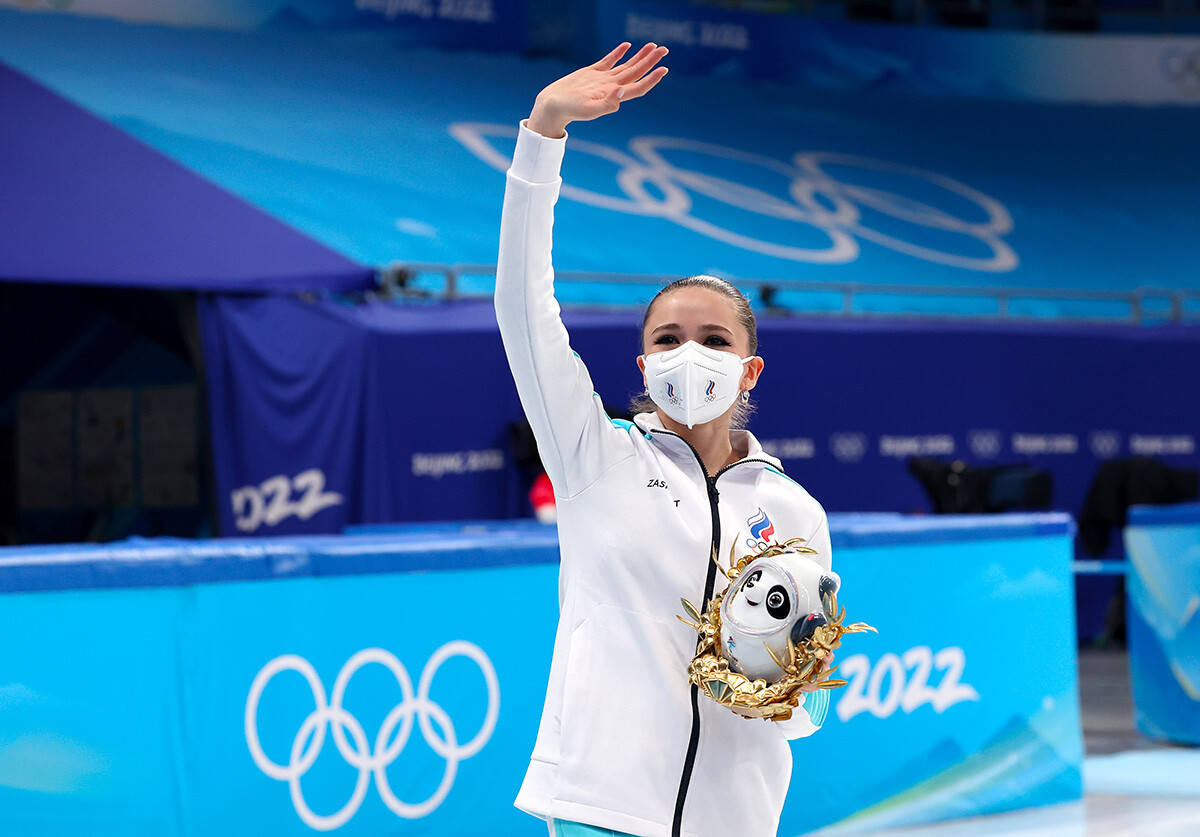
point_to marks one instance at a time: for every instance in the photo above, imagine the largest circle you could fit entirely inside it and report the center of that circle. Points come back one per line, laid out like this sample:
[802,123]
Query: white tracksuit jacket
[625,741]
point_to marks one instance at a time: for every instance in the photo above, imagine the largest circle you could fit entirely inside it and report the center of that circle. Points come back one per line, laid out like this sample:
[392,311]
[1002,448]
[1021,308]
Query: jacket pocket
[626,713]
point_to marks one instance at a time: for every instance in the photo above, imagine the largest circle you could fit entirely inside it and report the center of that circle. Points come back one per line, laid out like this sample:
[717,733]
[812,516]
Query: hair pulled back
[741,305]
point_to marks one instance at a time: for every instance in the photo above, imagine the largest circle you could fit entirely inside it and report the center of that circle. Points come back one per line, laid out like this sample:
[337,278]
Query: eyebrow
[706,327]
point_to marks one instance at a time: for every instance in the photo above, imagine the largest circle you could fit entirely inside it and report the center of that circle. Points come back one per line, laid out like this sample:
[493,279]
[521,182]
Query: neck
[711,440]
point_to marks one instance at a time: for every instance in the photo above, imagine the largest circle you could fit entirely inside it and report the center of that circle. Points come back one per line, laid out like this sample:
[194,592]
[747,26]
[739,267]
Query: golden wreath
[710,671]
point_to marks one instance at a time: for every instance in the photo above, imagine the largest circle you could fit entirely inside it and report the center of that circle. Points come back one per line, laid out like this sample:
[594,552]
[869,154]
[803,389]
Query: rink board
[391,681]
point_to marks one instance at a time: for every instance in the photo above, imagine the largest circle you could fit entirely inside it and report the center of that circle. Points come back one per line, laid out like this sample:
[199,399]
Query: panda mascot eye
[777,602]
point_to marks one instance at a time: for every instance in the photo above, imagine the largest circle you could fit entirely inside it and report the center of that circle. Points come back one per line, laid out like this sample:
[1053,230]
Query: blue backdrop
[389,154]
[404,410]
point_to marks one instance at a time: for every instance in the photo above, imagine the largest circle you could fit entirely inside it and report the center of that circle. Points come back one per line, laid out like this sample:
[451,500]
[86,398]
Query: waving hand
[596,90]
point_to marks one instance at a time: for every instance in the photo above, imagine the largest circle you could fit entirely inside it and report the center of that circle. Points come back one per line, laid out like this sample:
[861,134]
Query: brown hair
[642,403]
[744,314]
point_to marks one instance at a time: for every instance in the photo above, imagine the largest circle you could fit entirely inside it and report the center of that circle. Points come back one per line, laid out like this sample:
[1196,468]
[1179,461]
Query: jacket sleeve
[576,440]
[808,717]
[820,541]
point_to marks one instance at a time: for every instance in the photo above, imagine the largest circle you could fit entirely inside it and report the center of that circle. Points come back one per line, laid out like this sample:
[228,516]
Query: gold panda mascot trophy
[766,636]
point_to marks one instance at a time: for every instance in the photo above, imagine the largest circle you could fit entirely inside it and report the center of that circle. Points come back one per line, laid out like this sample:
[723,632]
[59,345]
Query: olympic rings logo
[807,193]
[356,750]
[1183,68]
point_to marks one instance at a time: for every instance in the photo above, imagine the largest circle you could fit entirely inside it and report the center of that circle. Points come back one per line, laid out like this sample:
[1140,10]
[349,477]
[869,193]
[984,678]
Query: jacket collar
[743,440]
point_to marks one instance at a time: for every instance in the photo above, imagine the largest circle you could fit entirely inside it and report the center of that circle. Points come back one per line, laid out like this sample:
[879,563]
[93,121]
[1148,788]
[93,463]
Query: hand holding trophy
[767,639]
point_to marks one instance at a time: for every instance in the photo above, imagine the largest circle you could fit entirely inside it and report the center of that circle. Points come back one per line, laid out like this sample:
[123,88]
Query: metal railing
[423,280]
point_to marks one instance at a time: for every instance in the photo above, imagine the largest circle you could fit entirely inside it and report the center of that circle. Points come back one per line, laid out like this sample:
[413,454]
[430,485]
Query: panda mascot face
[775,598]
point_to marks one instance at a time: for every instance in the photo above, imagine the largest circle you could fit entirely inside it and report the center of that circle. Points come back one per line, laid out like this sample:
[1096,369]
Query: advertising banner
[325,414]
[392,701]
[856,57]
[1163,589]
[479,24]
[946,710]
[368,701]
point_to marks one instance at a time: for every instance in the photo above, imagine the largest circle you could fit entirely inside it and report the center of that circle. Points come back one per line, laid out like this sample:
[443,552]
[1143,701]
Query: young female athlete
[626,744]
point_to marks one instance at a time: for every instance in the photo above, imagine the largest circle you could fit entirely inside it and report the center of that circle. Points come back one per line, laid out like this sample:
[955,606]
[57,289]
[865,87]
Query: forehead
[693,305]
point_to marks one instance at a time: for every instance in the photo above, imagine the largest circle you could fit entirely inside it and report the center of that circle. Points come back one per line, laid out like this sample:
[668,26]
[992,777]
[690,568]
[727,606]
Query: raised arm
[575,439]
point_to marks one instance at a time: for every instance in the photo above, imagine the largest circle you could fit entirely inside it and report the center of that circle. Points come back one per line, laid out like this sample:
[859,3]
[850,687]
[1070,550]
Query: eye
[750,579]
[715,340]
[777,603]
[666,340]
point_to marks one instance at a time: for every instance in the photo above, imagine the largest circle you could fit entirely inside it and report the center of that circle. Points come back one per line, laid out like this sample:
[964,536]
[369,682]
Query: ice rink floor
[1134,787]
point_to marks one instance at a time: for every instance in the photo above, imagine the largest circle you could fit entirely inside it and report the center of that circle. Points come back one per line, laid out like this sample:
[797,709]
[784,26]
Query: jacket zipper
[714,496]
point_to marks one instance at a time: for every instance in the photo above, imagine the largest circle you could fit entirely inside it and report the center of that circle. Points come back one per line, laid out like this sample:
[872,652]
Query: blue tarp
[85,203]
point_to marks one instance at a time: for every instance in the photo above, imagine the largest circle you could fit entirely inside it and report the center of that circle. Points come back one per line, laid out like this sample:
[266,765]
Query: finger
[635,58]
[645,85]
[609,61]
[640,64]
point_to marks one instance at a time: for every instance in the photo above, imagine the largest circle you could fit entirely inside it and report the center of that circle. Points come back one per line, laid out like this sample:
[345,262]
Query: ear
[750,374]
[831,582]
[641,362]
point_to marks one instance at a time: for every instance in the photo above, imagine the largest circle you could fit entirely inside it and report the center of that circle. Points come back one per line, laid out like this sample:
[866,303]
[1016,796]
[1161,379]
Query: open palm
[598,89]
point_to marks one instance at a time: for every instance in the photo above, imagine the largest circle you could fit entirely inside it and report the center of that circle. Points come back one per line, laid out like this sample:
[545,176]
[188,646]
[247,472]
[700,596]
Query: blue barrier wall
[842,403]
[1163,544]
[391,682]
[327,414]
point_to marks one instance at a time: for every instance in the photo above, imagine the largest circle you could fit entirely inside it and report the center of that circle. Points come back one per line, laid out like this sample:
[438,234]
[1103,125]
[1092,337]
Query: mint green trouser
[562,828]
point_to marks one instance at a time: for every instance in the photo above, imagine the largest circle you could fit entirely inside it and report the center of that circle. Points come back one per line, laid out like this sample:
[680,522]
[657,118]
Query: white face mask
[693,384]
